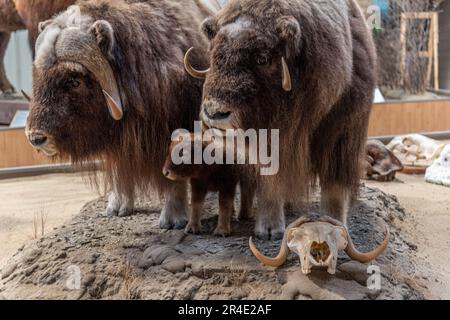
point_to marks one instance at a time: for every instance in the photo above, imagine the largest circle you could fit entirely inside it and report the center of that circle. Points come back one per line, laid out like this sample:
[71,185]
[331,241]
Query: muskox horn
[282,256]
[287,81]
[75,47]
[26,96]
[351,250]
[191,70]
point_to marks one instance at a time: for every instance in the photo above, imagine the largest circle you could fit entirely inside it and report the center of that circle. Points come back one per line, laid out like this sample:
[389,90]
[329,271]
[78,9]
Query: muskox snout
[215,115]
[42,142]
[37,139]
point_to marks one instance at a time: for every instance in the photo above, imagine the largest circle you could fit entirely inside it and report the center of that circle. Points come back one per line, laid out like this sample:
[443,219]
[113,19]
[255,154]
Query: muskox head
[76,100]
[381,164]
[249,73]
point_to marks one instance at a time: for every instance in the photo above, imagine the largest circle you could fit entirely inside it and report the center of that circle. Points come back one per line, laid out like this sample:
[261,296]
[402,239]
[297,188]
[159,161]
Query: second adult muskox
[307,68]
[109,84]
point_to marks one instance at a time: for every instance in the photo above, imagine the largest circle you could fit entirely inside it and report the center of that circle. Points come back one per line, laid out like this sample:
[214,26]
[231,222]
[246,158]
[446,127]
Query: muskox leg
[5,85]
[270,222]
[119,204]
[226,208]
[335,201]
[173,215]
[198,198]
[247,197]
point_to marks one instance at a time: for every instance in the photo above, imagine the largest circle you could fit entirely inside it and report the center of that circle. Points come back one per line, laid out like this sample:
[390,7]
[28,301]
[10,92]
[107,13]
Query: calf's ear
[104,35]
[289,30]
[210,28]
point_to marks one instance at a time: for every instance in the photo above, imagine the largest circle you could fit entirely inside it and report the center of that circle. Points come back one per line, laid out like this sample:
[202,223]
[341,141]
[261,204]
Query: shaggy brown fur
[205,178]
[24,14]
[323,120]
[144,46]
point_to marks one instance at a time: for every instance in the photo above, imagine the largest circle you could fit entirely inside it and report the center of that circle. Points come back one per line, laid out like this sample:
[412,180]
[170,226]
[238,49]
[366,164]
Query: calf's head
[249,73]
[76,101]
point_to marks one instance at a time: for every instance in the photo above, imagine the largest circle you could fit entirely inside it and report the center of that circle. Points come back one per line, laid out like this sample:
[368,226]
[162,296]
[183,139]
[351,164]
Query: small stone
[8,270]
[61,255]
[30,255]
[356,270]
[156,256]
[174,264]
[197,269]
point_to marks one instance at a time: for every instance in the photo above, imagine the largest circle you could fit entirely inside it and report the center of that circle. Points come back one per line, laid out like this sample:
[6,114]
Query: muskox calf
[307,68]
[109,84]
[204,178]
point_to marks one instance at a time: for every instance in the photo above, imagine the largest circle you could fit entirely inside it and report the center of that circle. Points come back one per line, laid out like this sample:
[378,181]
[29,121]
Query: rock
[30,255]
[8,270]
[197,268]
[156,256]
[356,270]
[174,264]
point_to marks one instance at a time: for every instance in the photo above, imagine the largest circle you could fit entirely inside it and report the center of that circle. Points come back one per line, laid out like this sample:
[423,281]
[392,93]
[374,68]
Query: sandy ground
[56,198]
[427,225]
[60,197]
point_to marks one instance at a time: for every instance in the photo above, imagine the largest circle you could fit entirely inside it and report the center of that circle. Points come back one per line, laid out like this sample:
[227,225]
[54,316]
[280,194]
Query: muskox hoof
[118,206]
[222,231]
[193,228]
[172,220]
[269,234]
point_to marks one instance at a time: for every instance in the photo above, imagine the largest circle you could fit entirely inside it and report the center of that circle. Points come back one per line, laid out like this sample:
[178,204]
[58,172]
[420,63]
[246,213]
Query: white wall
[18,61]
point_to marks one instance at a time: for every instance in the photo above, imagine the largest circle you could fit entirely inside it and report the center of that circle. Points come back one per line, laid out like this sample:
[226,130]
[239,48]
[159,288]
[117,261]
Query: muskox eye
[74,83]
[262,60]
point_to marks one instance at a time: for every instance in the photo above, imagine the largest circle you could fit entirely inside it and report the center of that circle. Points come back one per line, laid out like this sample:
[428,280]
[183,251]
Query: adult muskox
[109,84]
[23,14]
[306,67]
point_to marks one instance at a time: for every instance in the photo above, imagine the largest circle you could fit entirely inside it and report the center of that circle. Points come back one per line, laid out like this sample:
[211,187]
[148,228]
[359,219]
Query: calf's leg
[198,197]
[226,207]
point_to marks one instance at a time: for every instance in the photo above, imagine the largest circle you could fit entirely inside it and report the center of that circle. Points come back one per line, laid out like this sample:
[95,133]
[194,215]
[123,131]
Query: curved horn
[351,250]
[369,256]
[25,95]
[73,46]
[287,81]
[191,70]
[282,256]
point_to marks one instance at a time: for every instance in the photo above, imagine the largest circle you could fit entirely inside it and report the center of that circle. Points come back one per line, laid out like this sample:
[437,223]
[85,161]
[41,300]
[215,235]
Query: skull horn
[191,70]
[351,250]
[26,96]
[282,256]
[287,81]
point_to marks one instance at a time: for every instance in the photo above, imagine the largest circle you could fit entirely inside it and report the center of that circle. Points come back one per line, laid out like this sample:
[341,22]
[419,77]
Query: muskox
[109,85]
[204,178]
[307,68]
[24,14]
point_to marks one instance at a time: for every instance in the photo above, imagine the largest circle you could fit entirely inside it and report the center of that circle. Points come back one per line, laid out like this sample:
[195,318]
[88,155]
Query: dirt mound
[98,257]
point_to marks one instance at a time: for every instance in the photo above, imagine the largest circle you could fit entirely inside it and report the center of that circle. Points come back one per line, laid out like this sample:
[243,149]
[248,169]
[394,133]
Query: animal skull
[318,243]
[416,147]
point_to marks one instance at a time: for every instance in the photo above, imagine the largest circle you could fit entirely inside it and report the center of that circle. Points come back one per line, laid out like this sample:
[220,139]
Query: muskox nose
[37,140]
[213,111]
